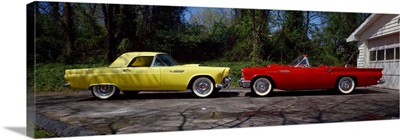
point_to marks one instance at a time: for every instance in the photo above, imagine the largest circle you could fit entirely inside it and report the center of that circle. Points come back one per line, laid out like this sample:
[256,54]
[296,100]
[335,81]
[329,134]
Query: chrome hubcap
[203,87]
[105,90]
[345,84]
[262,86]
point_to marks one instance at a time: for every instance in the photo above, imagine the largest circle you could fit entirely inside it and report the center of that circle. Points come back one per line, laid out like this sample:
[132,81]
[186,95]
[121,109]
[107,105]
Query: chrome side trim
[284,71]
[177,71]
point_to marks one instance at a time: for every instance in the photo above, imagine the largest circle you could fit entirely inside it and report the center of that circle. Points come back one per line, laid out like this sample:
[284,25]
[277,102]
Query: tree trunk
[108,10]
[308,18]
[69,32]
[255,54]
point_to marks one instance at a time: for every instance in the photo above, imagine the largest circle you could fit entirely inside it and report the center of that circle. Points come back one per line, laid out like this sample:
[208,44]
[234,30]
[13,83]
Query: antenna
[350,58]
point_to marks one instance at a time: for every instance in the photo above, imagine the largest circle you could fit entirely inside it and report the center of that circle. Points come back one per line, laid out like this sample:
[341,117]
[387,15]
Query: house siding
[361,59]
[385,25]
[383,33]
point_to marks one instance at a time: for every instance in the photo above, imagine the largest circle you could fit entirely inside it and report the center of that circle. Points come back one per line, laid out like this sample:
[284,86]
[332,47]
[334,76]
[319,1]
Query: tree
[292,37]
[338,26]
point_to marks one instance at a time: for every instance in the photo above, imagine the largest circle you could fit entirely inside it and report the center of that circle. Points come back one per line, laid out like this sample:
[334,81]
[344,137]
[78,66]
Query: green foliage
[42,133]
[38,132]
[48,39]
[338,27]
[323,56]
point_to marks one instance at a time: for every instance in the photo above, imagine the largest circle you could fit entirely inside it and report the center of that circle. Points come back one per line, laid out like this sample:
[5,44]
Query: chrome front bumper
[244,83]
[381,81]
[226,83]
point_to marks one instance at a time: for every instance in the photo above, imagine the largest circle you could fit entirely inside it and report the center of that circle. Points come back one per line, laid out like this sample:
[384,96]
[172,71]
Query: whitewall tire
[262,86]
[346,85]
[105,91]
[203,87]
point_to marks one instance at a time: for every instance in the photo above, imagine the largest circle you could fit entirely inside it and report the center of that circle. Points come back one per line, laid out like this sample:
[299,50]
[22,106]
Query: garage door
[384,53]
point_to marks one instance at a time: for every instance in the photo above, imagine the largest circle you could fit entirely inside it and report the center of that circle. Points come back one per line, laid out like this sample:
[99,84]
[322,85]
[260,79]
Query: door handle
[176,71]
[328,70]
[126,70]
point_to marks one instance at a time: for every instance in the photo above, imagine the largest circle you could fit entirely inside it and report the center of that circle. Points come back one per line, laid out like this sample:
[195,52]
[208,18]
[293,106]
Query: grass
[39,132]
[50,77]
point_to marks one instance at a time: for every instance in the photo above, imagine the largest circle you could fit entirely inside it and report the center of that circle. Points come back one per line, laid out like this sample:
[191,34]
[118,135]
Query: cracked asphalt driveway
[231,108]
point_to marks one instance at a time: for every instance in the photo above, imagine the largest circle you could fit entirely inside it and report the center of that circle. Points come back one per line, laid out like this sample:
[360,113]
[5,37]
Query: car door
[298,78]
[139,75]
[322,77]
[172,77]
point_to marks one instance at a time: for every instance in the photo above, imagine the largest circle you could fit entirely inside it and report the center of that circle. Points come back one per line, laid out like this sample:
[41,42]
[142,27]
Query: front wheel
[345,85]
[203,87]
[105,91]
[261,87]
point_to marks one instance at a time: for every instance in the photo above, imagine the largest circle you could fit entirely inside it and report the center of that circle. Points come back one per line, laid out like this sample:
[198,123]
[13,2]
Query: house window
[397,53]
[390,54]
[372,55]
[381,55]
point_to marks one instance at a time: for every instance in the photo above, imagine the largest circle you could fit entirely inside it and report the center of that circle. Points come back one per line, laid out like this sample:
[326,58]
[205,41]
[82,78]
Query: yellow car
[148,71]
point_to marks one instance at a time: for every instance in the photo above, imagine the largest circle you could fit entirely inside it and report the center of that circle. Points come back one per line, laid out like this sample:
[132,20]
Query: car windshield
[167,60]
[300,61]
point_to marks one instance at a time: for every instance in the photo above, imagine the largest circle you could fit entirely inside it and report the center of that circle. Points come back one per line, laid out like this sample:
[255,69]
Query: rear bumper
[66,85]
[381,81]
[244,83]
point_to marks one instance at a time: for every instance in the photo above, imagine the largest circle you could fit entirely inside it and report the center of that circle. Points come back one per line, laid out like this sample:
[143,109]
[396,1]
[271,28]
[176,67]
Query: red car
[299,75]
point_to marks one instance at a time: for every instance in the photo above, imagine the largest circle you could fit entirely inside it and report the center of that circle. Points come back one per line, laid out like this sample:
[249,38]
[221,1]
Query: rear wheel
[105,91]
[203,87]
[261,87]
[345,85]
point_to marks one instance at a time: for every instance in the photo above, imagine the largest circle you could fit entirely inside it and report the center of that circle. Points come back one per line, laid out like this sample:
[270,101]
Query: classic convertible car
[299,75]
[148,71]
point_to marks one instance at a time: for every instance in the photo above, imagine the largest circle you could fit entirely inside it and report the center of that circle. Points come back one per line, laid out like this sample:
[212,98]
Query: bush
[323,56]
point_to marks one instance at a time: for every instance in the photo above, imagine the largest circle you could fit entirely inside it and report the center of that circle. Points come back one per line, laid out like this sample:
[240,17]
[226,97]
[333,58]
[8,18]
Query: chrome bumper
[226,83]
[66,85]
[244,83]
[381,81]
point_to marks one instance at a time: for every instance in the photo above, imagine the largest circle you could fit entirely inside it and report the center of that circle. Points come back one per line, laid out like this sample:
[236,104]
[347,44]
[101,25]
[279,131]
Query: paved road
[232,108]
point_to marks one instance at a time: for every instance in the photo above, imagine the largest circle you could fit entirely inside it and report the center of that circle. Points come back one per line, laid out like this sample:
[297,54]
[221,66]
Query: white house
[378,44]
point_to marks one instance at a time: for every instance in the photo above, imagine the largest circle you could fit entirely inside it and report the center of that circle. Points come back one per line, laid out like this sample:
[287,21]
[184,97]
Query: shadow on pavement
[167,95]
[318,92]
